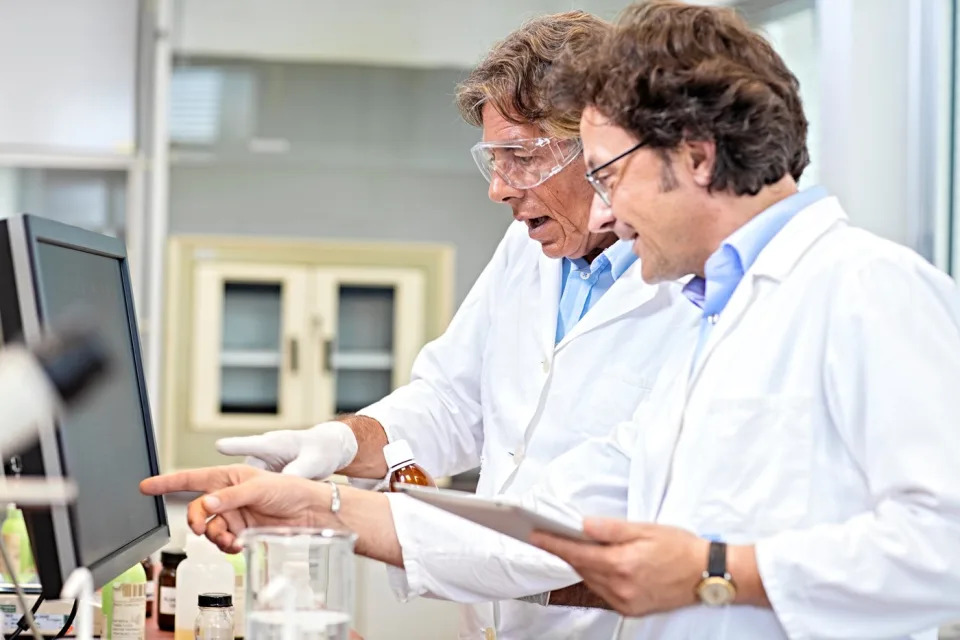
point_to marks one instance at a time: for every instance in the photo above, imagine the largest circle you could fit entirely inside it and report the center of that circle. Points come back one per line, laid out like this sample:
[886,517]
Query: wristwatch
[716,588]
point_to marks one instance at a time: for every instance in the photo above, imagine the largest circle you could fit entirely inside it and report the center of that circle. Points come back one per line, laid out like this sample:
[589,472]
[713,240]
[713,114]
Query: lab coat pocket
[617,394]
[760,451]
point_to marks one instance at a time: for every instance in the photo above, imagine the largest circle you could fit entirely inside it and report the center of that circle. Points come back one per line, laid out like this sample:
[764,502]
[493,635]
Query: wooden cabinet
[282,335]
[249,322]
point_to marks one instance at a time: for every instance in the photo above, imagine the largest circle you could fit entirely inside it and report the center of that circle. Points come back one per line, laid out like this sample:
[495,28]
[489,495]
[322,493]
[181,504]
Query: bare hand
[239,496]
[642,568]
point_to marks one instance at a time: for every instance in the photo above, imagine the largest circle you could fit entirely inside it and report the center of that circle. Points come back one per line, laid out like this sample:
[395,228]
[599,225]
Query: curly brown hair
[670,72]
[513,75]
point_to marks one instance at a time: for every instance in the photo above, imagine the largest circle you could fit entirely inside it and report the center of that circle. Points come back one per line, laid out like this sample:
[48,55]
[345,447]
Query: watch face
[715,591]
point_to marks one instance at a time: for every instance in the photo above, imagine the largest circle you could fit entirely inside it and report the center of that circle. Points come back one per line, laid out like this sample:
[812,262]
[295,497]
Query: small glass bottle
[215,618]
[147,564]
[167,591]
[403,468]
[124,605]
[205,570]
[239,593]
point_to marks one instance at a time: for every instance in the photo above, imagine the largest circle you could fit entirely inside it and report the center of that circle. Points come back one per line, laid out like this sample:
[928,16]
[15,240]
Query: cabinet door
[368,324]
[248,361]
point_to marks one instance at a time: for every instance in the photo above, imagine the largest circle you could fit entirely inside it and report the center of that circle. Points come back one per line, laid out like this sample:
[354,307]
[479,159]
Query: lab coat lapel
[658,440]
[549,306]
[738,304]
[660,433]
[628,293]
[771,267]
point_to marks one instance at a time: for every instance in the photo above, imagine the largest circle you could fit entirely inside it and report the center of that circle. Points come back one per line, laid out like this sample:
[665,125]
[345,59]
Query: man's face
[655,202]
[556,212]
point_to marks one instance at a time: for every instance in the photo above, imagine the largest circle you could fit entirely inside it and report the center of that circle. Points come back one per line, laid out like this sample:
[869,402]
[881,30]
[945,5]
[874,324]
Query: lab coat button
[518,455]
[545,365]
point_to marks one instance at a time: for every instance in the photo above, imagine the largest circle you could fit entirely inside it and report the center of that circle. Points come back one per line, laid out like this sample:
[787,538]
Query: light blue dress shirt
[726,266]
[584,282]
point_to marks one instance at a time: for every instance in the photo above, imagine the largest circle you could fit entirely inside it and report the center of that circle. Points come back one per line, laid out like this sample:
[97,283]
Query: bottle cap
[172,556]
[215,600]
[178,537]
[398,454]
[199,546]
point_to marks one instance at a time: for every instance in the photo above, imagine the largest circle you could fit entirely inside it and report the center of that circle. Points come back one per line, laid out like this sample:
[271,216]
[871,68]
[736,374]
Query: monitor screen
[50,274]
[102,442]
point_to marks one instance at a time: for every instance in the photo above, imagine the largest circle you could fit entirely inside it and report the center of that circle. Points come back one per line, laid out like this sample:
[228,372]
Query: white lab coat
[822,423]
[496,390]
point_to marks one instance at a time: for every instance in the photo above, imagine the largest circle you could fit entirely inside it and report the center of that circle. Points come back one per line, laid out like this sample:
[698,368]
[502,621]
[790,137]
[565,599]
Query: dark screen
[104,441]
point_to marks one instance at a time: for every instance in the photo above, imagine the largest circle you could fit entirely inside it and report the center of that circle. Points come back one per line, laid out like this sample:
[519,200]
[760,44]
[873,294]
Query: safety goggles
[527,163]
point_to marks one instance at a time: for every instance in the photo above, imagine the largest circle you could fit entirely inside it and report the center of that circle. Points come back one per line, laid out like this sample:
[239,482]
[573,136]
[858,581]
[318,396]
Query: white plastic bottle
[206,570]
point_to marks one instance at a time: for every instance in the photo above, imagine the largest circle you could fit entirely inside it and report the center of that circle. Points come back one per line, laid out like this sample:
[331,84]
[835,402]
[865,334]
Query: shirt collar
[750,239]
[619,257]
[726,266]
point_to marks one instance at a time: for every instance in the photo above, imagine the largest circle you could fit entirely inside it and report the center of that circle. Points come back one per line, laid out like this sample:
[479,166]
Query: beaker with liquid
[300,583]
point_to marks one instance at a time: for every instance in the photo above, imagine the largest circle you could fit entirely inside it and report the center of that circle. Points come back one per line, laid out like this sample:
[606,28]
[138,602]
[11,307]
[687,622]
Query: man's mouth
[533,223]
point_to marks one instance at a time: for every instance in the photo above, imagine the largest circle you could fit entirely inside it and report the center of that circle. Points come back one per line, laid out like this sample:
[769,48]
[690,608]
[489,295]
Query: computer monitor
[49,271]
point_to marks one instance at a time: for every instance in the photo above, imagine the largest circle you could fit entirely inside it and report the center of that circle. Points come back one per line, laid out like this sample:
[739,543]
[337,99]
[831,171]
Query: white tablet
[512,520]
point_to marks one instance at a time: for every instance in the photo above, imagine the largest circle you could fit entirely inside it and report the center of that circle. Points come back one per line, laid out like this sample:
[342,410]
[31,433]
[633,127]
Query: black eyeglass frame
[597,185]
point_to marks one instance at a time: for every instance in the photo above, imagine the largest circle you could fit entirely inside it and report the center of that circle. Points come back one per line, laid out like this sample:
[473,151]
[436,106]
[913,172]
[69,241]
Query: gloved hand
[316,453]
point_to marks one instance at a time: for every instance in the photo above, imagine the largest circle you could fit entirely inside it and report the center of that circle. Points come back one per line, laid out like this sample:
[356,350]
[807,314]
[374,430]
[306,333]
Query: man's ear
[700,157]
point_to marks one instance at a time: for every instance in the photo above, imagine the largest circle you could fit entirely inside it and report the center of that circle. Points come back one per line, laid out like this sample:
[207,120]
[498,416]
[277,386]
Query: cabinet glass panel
[250,356]
[363,355]
[357,388]
[249,390]
[365,319]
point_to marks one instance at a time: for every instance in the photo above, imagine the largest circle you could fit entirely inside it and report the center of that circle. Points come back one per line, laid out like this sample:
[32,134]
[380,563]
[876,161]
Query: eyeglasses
[527,163]
[598,185]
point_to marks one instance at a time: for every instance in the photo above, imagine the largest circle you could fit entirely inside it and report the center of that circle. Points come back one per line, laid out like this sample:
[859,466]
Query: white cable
[16,587]
[79,586]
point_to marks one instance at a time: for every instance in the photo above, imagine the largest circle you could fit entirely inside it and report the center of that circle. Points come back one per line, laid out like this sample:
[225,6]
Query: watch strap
[717,560]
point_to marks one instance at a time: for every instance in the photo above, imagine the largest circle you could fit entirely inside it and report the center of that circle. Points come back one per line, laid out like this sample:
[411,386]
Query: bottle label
[48,623]
[12,542]
[239,593]
[129,611]
[151,589]
[11,615]
[168,601]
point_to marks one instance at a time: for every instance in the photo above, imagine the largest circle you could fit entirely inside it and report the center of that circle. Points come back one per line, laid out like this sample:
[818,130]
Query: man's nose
[500,191]
[601,216]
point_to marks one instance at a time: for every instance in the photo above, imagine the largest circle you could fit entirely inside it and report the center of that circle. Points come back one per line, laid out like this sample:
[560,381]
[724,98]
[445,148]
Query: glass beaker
[300,583]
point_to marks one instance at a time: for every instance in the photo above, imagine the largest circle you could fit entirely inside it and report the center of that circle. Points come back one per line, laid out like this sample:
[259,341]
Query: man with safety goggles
[558,341]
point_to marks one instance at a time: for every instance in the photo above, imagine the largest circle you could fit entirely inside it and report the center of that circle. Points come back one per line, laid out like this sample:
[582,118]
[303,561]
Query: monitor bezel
[53,532]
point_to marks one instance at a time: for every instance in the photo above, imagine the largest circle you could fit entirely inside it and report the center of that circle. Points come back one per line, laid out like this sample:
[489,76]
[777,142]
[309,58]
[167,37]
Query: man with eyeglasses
[558,340]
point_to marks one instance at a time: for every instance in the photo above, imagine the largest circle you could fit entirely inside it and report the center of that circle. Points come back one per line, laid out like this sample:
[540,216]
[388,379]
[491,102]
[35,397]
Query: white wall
[67,75]
[453,33]
[368,153]
[882,116]
[8,191]
[872,185]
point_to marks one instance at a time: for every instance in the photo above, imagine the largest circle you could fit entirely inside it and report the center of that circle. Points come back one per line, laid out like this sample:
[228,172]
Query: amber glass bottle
[403,468]
[167,593]
[151,584]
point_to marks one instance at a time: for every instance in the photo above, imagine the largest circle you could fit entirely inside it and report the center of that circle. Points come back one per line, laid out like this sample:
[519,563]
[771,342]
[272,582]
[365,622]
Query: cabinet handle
[328,355]
[294,346]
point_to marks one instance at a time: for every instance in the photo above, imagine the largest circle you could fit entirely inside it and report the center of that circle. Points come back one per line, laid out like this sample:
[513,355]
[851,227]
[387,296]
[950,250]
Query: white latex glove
[316,453]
